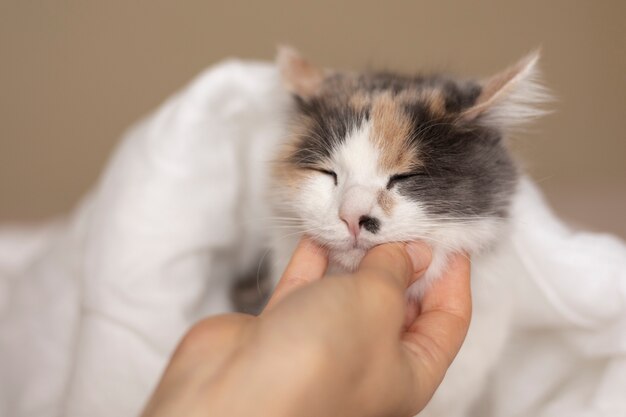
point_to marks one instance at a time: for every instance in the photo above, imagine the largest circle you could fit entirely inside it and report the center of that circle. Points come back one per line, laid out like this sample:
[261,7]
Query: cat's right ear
[299,76]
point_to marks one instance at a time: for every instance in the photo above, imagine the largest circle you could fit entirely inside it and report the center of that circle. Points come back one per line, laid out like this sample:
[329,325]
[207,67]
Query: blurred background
[75,74]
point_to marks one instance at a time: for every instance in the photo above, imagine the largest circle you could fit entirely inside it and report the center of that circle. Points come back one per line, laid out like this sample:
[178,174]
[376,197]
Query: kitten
[382,157]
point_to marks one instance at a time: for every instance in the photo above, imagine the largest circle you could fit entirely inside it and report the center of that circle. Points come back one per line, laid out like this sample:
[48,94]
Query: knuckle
[383,286]
[393,251]
[197,337]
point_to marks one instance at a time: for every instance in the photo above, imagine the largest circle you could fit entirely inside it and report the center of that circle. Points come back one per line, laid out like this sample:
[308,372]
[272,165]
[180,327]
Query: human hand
[335,346]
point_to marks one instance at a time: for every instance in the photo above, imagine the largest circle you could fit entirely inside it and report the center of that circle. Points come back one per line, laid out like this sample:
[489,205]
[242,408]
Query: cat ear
[299,76]
[512,97]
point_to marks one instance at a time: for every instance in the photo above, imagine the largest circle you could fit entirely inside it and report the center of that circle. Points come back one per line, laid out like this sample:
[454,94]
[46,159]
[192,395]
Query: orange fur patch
[284,172]
[360,101]
[435,101]
[385,201]
[391,131]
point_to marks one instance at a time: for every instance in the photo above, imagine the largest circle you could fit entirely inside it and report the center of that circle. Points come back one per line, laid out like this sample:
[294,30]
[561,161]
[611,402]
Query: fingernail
[420,255]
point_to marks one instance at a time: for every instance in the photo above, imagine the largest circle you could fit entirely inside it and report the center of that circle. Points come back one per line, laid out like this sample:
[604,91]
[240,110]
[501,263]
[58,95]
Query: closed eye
[394,179]
[327,172]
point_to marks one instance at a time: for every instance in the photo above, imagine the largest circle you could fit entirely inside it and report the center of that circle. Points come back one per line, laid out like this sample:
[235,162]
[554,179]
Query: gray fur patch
[466,171]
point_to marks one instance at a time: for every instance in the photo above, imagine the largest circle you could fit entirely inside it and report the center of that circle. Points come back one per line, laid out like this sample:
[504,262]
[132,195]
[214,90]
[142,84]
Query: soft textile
[92,305]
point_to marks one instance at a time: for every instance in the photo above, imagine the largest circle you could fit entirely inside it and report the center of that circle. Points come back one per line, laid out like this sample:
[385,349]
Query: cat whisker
[278,239]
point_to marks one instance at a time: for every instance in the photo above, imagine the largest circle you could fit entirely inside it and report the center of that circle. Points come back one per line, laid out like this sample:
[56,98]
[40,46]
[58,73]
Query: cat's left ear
[512,97]
[299,76]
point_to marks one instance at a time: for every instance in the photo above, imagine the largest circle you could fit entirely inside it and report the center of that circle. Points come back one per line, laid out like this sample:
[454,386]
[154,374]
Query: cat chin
[469,239]
[346,260]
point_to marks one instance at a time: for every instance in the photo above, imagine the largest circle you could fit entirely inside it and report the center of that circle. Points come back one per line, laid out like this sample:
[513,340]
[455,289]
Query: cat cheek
[315,197]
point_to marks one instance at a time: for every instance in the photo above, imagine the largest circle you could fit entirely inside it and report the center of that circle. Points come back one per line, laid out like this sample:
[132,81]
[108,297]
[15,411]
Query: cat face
[375,158]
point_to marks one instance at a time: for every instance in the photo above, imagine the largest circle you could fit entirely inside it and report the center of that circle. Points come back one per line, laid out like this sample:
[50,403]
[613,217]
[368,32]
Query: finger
[397,263]
[435,337]
[308,263]
[383,277]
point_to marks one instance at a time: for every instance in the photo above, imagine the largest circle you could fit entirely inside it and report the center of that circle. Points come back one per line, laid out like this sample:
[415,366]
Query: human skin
[345,345]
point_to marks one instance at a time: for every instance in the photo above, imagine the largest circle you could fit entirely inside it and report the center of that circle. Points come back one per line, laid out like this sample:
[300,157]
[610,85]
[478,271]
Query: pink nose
[358,202]
[356,222]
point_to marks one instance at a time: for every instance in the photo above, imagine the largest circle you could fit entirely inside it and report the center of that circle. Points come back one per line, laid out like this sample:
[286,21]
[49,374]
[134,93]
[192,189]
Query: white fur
[356,161]
[517,101]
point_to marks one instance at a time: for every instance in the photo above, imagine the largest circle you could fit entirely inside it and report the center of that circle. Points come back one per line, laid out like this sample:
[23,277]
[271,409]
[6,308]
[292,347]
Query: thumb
[383,277]
[402,264]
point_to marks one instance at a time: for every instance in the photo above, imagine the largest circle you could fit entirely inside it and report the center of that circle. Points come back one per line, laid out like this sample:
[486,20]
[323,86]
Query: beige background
[75,74]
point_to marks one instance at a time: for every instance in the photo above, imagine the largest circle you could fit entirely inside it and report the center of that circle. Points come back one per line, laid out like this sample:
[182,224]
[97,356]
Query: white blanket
[92,305]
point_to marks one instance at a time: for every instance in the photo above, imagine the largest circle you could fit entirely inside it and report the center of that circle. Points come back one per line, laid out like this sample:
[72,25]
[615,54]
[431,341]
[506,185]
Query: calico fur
[377,157]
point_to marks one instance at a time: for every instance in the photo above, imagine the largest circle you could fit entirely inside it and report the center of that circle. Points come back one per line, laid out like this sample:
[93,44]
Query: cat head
[380,157]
